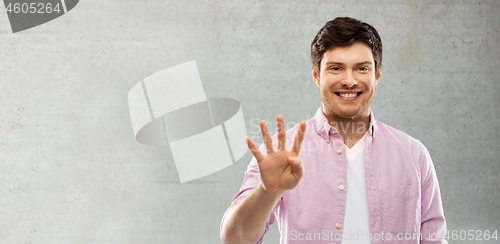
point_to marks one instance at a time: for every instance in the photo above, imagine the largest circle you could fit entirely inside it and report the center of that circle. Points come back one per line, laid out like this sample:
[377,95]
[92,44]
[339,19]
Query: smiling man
[342,176]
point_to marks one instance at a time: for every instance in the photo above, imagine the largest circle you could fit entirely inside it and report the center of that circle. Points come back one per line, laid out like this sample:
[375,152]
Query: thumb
[297,168]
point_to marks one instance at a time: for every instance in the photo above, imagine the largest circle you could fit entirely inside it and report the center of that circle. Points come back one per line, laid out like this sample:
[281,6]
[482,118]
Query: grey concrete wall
[71,171]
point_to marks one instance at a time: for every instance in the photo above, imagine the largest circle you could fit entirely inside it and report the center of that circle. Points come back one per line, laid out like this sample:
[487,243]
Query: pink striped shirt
[404,201]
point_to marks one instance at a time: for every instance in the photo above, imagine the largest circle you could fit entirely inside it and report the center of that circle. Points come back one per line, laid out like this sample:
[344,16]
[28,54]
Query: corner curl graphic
[205,135]
[25,14]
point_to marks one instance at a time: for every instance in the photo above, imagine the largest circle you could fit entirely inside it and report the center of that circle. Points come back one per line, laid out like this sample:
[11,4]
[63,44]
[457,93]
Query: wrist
[274,196]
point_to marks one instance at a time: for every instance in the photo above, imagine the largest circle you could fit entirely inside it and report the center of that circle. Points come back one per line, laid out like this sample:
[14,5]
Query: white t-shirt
[356,223]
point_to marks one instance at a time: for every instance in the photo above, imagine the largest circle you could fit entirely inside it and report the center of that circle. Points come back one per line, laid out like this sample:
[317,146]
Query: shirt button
[339,151]
[337,225]
[341,187]
[326,136]
[333,131]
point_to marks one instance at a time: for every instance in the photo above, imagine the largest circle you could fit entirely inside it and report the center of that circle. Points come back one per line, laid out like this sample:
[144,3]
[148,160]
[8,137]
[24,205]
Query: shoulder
[392,135]
[398,141]
[395,139]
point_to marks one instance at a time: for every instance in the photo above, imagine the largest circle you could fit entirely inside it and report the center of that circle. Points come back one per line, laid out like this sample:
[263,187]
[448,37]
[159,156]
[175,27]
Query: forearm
[245,221]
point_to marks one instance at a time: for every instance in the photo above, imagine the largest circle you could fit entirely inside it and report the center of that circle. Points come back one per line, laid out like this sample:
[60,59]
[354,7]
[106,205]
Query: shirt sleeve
[433,225]
[252,178]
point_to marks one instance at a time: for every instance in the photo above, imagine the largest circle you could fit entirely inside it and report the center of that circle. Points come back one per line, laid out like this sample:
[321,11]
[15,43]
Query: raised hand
[281,169]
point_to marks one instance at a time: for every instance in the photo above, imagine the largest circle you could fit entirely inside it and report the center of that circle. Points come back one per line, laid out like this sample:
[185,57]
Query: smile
[348,94]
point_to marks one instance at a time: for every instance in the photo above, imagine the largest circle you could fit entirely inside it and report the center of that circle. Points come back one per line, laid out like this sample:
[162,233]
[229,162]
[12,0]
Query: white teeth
[348,94]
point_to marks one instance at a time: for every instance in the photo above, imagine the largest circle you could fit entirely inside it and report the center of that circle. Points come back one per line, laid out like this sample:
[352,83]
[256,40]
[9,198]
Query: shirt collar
[324,129]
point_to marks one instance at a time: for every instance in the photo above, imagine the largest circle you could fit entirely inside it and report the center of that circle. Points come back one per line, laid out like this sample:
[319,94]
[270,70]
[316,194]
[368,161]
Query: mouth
[348,95]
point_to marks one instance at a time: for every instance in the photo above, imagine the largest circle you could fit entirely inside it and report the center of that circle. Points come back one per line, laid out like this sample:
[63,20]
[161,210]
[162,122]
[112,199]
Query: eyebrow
[337,63]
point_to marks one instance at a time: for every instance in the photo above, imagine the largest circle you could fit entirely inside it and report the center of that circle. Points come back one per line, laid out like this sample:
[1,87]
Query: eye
[363,69]
[335,68]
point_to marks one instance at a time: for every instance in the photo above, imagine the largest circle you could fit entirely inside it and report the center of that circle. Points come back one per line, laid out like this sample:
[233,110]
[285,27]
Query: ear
[377,77]
[315,75]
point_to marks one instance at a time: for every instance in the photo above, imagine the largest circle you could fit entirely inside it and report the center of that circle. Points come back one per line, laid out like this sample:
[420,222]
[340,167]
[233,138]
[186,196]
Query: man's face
[347,81]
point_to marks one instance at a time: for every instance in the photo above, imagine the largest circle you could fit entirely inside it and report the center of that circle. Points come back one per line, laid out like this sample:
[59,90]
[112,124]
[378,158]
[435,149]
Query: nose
[349,80]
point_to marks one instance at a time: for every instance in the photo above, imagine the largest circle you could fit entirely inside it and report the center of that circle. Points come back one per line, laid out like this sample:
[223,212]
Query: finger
[281,133]
[299,137]
[255,151]
[297,168]
[268,141]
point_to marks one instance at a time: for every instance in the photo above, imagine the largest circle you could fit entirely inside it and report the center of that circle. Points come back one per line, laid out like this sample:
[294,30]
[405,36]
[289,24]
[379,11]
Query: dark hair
[342,32]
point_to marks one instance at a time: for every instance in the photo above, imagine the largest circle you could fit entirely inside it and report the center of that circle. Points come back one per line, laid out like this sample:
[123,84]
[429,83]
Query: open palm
[281,169]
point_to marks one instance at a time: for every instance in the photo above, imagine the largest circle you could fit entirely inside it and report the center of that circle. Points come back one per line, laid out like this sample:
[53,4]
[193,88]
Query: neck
[351,129]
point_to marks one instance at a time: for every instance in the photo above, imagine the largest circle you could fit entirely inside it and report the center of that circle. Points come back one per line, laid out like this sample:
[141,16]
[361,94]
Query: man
[356,180]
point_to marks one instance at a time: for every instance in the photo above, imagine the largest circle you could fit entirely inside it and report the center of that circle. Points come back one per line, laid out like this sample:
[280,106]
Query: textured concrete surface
[71,171]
